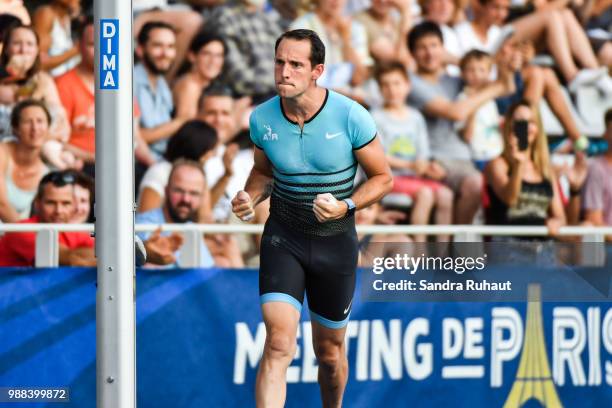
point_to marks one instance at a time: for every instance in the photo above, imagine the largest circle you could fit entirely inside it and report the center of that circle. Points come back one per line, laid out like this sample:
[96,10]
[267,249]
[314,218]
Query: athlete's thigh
[281,320]
[281,272]
[330,279]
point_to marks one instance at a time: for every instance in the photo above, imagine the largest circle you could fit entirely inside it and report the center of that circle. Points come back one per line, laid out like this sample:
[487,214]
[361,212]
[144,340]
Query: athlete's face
[293,72]
[184,193]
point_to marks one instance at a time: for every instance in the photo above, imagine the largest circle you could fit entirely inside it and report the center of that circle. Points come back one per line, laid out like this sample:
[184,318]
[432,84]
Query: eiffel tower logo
[533,380]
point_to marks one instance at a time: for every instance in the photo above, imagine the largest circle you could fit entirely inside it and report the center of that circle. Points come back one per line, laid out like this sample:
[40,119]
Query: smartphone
[520,130]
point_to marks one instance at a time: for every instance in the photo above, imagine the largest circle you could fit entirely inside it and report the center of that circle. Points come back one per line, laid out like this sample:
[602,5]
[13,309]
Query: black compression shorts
[292,263]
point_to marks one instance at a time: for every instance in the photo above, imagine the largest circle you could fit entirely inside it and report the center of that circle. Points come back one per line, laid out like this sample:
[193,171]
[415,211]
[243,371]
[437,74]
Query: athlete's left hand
[327,208]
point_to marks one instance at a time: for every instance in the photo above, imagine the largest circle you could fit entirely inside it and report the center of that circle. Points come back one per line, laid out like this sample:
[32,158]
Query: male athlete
[308,141]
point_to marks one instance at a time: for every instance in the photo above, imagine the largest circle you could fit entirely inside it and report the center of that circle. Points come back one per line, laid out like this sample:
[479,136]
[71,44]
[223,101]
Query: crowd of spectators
[454,86]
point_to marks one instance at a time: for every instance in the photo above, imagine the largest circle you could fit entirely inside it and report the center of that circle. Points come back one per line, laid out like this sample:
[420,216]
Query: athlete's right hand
[242,206]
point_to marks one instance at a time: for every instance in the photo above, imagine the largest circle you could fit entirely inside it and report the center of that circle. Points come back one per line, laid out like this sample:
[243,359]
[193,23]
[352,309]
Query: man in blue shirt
[309,141]
[184,195]
[156,51]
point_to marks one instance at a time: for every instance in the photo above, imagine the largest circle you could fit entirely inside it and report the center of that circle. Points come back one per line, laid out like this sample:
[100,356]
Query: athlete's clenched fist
[242,206]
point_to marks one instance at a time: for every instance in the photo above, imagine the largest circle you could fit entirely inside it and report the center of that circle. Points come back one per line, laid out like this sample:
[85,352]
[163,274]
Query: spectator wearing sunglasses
[54,204]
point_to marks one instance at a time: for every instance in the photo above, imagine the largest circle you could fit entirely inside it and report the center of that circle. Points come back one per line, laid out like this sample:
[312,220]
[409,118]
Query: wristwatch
[351,207]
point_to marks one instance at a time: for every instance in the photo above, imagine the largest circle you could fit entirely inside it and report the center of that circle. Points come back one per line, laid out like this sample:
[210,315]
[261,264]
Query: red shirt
[78,101]
[19,248]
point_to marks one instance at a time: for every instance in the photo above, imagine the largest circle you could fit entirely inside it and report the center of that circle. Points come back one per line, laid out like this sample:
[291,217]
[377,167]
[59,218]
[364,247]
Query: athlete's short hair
[317,48]
[424,29]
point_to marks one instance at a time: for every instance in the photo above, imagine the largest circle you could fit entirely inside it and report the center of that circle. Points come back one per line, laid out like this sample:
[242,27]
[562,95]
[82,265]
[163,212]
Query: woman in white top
[21,166]
[52,24]
[20,58]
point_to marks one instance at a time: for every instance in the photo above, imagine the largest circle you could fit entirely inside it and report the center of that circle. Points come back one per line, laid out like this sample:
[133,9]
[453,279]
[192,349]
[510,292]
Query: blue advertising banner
[200,337]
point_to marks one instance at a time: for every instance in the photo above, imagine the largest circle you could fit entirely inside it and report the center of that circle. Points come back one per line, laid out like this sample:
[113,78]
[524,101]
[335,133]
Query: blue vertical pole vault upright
[114,209]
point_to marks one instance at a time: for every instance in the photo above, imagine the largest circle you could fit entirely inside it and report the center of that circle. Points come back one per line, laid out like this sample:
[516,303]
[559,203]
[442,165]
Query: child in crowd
[404,136]
[481,130]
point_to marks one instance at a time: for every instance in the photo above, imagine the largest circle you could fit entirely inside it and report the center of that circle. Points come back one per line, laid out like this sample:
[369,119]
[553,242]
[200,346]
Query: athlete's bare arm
[380,181]
[258,187]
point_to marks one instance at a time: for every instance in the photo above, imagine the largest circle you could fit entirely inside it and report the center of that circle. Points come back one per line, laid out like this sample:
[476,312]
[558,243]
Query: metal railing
[47,244]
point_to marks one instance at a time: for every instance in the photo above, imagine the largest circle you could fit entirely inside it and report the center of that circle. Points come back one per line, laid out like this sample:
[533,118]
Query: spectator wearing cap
[21,165]
[54,203]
